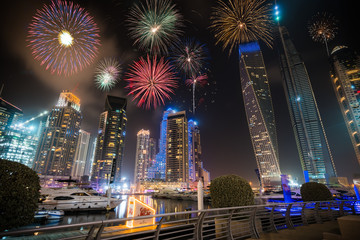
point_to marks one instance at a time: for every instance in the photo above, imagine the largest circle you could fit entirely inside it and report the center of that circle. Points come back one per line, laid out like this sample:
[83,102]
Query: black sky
[224,133]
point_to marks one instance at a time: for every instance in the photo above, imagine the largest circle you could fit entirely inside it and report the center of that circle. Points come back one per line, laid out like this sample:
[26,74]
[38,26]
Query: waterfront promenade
[274,221]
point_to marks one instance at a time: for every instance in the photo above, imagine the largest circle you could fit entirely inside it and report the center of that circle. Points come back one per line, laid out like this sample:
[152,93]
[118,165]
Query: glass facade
[142,156]
[313,148]
[259,112]
[345,76]
[177,163]
[110,142]
[57,145]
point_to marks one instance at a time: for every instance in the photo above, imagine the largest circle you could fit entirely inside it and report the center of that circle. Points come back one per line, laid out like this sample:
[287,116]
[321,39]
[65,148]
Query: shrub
[230,191]
[313,191]
[19,194]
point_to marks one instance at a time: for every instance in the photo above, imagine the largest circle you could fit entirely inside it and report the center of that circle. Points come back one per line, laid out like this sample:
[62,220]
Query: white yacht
[72,199]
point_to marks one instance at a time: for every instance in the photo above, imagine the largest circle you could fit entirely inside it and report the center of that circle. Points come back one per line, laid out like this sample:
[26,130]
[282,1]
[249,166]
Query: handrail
[255,215]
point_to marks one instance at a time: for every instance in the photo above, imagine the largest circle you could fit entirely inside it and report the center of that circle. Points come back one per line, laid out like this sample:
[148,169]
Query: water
[160,205]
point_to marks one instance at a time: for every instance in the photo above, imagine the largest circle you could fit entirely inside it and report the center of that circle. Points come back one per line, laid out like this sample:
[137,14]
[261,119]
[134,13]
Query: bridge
[246,222]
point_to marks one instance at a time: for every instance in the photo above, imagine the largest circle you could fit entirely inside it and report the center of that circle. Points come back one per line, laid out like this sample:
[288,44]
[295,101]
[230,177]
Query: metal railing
[221,223]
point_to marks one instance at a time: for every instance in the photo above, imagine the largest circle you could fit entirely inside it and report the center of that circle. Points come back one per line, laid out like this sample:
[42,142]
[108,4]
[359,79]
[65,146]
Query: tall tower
[81,153]
[142,156]
[110,141]
[57,144]
[177,164]
[159,167]
[259,112]
[345,75]
[313,147]
[195,163]
[152,158]
[9,113]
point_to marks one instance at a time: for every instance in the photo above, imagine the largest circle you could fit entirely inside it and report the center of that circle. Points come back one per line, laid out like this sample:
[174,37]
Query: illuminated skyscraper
[81,153]
[19,144]
[57,144]
[9,113]
[110,142]
[259,112]
[159,167]
[195,163]
[142,156]
[152,158]
[177,163]
[313,147]
[90,157]
[345,75]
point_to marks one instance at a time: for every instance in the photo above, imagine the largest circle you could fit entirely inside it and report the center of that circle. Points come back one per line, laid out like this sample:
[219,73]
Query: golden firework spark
[242,21]
[323,27]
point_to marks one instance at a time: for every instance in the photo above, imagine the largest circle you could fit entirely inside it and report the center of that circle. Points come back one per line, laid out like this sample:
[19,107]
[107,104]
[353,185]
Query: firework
[151,81]
[154,25]
[107,73]
[63,37]
[242,21]
[322,28]
[194,81]
[189,56]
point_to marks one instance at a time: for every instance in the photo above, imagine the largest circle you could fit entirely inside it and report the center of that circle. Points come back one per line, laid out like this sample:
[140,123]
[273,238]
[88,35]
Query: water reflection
[160,205]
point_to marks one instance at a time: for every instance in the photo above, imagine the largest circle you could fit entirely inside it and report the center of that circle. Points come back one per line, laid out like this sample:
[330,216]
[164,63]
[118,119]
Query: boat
[75,199]
[55,214]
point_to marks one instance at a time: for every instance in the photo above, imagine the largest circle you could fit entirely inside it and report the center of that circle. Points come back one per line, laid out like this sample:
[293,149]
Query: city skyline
[237,155]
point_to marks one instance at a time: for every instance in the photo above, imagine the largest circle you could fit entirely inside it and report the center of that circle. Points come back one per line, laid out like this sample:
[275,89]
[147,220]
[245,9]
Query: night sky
[224,133]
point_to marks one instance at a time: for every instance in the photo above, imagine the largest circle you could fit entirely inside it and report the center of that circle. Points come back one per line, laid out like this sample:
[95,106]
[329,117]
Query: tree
[19,194]
[313,191]
[230,191]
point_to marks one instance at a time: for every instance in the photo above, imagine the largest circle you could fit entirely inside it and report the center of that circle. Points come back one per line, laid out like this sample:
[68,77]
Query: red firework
[151,81]
[199,80]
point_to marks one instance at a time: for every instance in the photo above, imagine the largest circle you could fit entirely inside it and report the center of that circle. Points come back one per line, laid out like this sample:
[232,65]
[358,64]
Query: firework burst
[154,25]
[189,56]
[242,21]
[107,73]
[63,37]
[323,28]
[151,82]
[195,81]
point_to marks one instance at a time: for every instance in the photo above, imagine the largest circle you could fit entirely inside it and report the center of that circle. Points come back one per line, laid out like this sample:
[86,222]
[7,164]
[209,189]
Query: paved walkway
[310,232]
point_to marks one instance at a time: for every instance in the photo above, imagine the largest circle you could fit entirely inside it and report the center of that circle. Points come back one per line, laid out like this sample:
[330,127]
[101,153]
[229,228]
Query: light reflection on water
[160,205]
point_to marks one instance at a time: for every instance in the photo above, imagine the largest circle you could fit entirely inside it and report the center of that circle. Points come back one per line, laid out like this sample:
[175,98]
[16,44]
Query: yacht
[73,199]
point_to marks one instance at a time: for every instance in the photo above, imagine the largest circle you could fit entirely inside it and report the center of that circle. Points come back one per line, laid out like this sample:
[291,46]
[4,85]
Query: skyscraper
[313,147]
[57,144]
[142,156]
[158,169]
[177,164]
[81,153]
[9,113]
[152,158]
[345,75]
[259,112]
[19,144]
[110,141]
[194,144]
[90,157]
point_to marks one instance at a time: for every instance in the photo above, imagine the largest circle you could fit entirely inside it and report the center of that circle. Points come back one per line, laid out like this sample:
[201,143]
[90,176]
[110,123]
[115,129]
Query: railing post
[341,209]
[254,231]
[288,217]
[353,208]
[99,232]
[90,233]
[229,230]
[331,216]
[158,228]
[199,226]
[303,215]
[272,220]
[317,215]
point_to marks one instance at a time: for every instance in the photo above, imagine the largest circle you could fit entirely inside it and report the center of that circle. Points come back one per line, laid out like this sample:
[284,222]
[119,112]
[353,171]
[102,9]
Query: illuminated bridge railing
[221,223]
